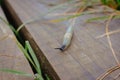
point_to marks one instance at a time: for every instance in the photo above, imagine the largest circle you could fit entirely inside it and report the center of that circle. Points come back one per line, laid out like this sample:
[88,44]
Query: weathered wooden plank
[11,57]
[86,58]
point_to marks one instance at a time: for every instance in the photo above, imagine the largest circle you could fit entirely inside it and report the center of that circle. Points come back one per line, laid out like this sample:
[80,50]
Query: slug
[67,38]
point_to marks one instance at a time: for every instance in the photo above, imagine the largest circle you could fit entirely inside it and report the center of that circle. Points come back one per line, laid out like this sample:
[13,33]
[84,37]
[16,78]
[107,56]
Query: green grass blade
[73,16]
[98,18]
[63,5]
[65,18]
[25,53]
[26,48]
[82,13]
[102,18]
[38,77]
[33,56]
[16,72]
[117,17]
[13,29]
[49,11]
[47,77]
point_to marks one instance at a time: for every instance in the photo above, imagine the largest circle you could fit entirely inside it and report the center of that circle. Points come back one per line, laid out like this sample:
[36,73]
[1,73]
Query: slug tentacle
[61,48]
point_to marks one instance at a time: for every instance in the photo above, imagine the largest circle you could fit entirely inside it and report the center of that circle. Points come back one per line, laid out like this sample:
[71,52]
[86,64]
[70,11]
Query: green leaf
[16,72]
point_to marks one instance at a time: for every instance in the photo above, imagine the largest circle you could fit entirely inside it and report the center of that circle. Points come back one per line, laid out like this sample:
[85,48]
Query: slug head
[61,48]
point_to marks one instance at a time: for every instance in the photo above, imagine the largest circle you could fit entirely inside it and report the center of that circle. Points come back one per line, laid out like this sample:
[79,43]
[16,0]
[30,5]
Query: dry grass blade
[64,5]
[65,13]
[101,77]
[116,77]
[110,33]
[111,47]
[108,37]
[76,14]
[4,37]
[10,56]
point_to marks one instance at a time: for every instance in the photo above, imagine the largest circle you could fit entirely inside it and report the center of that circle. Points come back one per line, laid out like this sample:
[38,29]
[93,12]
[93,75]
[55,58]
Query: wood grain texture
[86,58]
[11,57]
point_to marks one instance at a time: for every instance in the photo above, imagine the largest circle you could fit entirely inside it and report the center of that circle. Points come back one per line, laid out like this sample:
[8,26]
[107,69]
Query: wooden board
[87,57]
[11,57]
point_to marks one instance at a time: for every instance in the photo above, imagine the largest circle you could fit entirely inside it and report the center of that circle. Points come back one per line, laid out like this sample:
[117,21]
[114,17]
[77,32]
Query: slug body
[115,4]
[67,38]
